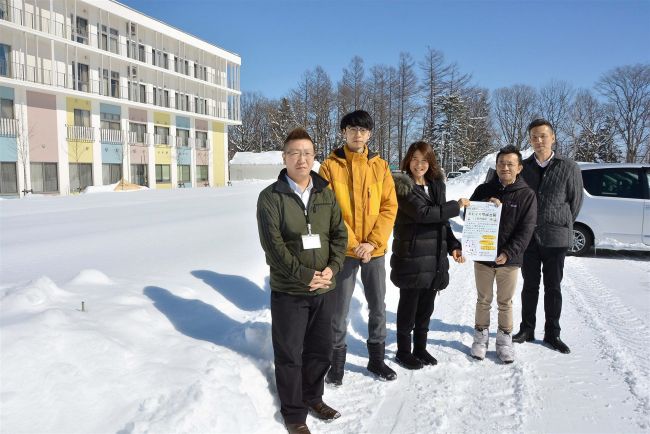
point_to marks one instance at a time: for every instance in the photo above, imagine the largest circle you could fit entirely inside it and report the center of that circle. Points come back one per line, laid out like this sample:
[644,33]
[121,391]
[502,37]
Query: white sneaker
[479,347]
[505,350]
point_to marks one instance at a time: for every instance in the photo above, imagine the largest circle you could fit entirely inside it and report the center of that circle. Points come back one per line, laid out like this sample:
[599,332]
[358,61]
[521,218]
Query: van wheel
[582,240]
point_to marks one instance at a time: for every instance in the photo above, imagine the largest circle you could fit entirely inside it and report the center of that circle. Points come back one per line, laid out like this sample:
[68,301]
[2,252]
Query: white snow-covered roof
[270,157]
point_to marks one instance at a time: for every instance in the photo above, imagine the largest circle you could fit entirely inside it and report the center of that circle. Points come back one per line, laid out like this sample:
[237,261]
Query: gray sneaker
[505,349]
[479,347]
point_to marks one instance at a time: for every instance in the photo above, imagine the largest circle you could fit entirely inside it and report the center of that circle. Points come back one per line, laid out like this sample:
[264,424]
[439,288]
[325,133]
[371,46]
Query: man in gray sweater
[557,182]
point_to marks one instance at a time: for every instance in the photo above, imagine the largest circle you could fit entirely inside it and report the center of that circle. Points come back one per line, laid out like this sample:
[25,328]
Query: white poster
[481,231]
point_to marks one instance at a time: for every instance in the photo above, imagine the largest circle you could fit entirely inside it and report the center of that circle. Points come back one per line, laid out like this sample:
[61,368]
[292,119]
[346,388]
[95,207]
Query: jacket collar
[282,186]
[518,184]
[340,153]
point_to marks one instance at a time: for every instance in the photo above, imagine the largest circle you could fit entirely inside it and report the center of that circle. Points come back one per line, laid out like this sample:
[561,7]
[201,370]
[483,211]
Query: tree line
[433,100]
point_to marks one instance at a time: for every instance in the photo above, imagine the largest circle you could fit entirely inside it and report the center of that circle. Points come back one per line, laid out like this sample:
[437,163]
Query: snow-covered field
[174,336]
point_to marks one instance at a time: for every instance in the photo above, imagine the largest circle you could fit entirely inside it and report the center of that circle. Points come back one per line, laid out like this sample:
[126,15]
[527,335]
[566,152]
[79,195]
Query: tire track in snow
[621,337]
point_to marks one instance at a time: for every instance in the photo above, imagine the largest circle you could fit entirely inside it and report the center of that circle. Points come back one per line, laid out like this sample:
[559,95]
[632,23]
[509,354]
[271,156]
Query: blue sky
[500,42]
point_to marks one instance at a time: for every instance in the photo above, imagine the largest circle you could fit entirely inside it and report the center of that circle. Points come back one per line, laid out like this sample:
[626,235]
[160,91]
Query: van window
[613,183]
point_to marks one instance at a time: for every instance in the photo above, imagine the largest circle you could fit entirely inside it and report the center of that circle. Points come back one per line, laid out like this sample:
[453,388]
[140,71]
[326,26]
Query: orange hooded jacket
[365,191]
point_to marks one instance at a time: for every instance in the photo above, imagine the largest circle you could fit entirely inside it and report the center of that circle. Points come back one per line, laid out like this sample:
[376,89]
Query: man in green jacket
[304,238]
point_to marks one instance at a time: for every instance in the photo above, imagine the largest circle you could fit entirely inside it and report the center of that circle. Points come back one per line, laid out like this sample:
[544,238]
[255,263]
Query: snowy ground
[175,336]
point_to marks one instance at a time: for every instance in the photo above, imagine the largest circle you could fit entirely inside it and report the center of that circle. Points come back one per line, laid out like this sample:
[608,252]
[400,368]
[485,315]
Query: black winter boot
[420,349]
[376,363]
[335,374]
[404,356]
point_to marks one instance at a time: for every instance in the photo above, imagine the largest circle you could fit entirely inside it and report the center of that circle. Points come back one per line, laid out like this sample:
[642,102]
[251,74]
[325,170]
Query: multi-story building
[93,92]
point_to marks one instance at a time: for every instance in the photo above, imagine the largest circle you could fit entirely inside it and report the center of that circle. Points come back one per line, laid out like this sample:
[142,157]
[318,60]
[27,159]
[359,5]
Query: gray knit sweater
[559,198]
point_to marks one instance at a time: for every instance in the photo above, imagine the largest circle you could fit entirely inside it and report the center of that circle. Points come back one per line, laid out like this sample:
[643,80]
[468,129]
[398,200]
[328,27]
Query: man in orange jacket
[365,191]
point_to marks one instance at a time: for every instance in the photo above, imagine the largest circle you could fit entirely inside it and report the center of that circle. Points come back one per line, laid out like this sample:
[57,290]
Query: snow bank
[270,157]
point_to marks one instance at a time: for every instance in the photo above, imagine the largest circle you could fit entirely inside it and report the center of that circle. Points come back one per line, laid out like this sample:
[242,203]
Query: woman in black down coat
[422,238]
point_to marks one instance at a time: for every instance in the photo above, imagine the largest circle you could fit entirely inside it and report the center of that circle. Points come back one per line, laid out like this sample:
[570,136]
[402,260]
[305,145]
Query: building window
[8,178]
[4,10]
[143,93]
[111,173]
[45,177]
[139,174]
[165,61]
[109,121]
[131,50]
[182,137]
[182,101]
[80,76]
[81,176]
[139,129]
[199,105]
[161,97]
[5,60]
[163,173]
[141,53]
[184,177]
[161,135]
[201,139]
[202,174]
[108,39]
[80,33]
[6,108]
[81,118]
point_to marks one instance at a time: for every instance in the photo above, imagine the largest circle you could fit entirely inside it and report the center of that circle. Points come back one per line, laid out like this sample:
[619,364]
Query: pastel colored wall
[78,151]
[111,153]
[184,156]
[218,154]
[42,125]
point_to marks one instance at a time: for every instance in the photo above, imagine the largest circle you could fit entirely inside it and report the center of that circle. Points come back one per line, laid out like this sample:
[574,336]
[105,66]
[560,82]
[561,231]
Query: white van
[616,207]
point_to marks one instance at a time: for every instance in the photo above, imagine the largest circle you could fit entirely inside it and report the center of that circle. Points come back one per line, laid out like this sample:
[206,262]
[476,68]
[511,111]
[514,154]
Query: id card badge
[311,241]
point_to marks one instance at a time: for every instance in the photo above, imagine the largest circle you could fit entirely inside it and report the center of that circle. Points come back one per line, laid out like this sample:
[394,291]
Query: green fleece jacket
[282,221]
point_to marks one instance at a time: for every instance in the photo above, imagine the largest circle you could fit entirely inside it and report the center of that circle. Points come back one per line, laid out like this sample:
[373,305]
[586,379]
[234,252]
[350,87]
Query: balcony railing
[161,139]
[8,127]
[182,141]
[81,134]
[63,79]
[94,38]
[202,144]
[111,136]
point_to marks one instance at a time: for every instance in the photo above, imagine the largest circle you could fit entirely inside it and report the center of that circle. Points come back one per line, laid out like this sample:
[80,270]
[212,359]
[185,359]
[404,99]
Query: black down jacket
[422,237]
[518,216]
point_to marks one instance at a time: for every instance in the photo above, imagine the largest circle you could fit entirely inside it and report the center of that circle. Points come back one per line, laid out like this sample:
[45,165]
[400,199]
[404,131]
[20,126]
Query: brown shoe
[323,411]
[297,428]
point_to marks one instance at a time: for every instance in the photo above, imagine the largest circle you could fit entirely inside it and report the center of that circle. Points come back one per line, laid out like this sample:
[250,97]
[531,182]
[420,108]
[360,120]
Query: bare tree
[627,90]
[479,133]
[252,134]
[592,131]
[379,89]
[24,136]
[554,105]
[435,74]
[407,88]
[352,94]
[514,109]
[320,109]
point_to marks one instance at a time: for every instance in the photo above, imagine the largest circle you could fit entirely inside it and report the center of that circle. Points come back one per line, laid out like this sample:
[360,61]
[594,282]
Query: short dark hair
[357,118]
[297,134]
[510,150]
[538,123]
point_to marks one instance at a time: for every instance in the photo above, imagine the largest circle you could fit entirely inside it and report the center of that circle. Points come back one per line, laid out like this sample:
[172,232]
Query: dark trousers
[549,262]
[414,312]
[302,346]
[373,278]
